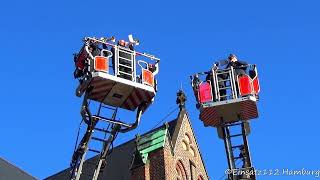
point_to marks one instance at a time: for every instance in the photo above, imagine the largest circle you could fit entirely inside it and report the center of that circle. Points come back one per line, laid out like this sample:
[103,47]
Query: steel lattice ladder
[109,131]
[224,76]
[125,64]
[226,133]
[92,134]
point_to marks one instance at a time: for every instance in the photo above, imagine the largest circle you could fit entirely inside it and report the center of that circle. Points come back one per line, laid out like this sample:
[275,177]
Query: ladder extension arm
[132,126]
[127,127]
[103,156]
[85,111]
[116,128]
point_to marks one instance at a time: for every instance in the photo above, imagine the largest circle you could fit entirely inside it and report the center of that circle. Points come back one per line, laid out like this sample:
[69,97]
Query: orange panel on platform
[147,77]
[101,64]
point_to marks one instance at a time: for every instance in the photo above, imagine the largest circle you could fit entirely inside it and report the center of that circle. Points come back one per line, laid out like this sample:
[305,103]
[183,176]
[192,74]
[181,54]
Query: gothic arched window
[187,145]
[200,177]
[181,171]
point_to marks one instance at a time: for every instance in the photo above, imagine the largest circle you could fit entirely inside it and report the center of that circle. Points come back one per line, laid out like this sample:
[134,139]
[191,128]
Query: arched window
[187,138]
[192,151]
[181,171]
[187,145]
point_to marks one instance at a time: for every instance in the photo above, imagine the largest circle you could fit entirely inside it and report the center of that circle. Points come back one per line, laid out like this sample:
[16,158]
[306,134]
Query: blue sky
[40,113]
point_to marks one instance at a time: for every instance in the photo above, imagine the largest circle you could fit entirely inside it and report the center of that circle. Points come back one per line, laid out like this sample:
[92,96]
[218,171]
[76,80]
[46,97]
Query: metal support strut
[245,171]
[117,126]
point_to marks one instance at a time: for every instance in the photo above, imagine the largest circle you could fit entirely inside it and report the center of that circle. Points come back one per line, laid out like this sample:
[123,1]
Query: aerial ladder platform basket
[224,97]
[227,100]
[118,77]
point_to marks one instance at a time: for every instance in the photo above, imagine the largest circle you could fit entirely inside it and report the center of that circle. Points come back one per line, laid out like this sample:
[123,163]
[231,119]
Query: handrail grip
[140,61]
[110,54]
[87,50]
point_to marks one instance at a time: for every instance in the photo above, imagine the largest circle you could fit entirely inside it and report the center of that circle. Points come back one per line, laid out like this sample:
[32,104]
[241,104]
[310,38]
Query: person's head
[232,58]
[122,43]
[151,67]
[90,49]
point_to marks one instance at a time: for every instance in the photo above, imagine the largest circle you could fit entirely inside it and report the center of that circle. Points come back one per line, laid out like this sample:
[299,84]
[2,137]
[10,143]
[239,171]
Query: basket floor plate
[215,114]
[118,92]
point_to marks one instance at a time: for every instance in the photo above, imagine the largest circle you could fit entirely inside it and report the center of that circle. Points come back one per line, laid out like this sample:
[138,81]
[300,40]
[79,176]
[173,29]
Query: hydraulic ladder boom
[242,148]
[79,155]
[227,100]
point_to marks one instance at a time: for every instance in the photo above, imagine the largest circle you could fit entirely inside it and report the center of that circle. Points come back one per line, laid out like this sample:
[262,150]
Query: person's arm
[242,63]
[104,46]
[221,62]
[157,69]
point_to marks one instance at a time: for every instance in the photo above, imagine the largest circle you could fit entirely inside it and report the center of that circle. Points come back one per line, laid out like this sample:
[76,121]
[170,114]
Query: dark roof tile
[9,171]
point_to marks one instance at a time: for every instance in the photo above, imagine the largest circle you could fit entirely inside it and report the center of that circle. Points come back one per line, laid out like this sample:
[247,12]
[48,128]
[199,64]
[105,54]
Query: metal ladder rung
[102,130]
[237,146]
[236,135]
[98,139]
[228,87]
[113,121]
[122,72]
[93,150]
[224,80]
[126,59]
[235,124]
[111,108]
[130,67]
[226,96]
[237,158]
[227,72]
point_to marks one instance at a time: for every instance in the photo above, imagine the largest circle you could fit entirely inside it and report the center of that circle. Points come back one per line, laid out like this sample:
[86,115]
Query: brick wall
[140,173]
[157,165]
[169,159]
[162,163]
[182,153]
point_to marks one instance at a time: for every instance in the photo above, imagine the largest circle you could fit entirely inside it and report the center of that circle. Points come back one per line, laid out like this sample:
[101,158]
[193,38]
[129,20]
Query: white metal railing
[224,82]
[123,59]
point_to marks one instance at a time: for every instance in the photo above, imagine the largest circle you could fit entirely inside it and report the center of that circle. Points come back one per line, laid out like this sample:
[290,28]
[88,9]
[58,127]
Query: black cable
[166,117]
[75,146]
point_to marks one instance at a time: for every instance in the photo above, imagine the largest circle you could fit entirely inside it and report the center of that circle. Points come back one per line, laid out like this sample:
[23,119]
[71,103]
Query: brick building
[167,152]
